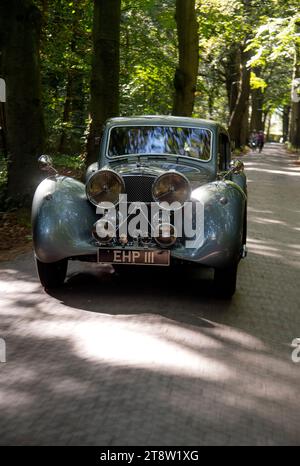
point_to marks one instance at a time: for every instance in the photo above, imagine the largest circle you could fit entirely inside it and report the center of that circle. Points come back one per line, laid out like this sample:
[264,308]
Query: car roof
[162,120]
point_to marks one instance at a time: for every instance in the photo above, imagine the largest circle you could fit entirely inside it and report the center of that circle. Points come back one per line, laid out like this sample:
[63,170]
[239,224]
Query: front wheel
[52,275]
[225,281]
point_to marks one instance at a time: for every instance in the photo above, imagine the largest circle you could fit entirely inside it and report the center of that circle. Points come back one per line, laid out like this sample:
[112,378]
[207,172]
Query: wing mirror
[236,166]
[46,164]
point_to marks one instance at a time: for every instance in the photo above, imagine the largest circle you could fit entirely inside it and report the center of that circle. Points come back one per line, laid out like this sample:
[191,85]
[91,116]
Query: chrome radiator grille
[139,188]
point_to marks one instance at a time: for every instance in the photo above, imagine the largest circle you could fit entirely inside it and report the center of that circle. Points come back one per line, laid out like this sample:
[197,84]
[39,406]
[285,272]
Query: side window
[224,152]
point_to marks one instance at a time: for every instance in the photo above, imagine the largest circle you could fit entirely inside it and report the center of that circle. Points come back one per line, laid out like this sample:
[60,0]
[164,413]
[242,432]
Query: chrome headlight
[171,187]
[105,186]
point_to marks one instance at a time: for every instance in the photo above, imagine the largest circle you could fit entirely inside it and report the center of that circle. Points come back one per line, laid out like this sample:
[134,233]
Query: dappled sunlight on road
[158,359]
[179,369]
[13,400]
[273,211]
[196,365]
[268,220]
[288,172]
[132,344]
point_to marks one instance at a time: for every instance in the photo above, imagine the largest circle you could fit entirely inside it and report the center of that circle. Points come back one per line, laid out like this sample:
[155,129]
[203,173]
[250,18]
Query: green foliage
[268,31]
[257,82]
[272,47]
[274,39]
[148,56]
[66,48]
[149,59]
[74,162]
[265,29]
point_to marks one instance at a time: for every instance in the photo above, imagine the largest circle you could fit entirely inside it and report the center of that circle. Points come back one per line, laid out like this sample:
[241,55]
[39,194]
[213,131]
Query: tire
[244,241]
[225,281]
[52,275]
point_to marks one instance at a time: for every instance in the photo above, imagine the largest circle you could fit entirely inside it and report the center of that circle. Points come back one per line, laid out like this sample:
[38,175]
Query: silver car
[163,192]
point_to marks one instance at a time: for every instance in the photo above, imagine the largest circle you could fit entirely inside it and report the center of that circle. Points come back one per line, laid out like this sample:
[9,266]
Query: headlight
[171,187]
[104,186]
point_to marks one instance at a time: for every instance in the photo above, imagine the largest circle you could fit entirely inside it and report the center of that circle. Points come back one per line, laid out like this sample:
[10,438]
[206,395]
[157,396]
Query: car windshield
[155,140]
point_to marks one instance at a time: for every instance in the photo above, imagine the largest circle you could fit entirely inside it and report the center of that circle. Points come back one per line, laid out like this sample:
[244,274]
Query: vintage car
[163,192]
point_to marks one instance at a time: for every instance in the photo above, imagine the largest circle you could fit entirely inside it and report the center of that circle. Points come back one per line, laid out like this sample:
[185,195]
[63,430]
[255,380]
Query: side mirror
[236,166]
[45,164]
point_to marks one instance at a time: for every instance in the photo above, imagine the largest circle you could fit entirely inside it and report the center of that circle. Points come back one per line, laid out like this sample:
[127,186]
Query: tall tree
[66,43]
[295,107]
[232,75]
[237,130]
[185,80]
[257,101]
[105,70]
[276,43]
[286,122]
[20,33]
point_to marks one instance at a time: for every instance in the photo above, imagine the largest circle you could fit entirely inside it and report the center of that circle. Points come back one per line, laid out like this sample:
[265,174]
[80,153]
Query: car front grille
[139,188]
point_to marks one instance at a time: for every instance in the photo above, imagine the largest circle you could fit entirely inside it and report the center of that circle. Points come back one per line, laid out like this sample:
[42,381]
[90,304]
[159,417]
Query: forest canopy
[69,65]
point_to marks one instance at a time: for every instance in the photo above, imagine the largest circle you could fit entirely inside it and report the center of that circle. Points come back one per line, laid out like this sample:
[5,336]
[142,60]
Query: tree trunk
[235,124]
[78,100]
[245,128]
[232,76]
[269,128]
[265,117]
[286,122]
[66,115]
[257,100]
[105,71]
[295,107]
[20,28]
[211,101]
[185,80]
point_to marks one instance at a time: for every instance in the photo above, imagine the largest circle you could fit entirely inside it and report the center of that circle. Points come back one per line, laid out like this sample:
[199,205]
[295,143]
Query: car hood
[197,176]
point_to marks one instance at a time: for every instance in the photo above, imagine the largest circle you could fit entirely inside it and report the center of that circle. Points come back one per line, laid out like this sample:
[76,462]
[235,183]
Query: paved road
[159,361]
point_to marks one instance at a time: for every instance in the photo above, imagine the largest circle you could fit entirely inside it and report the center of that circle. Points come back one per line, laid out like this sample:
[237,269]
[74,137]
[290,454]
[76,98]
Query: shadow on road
[152,357]
[57,396]
[139,283]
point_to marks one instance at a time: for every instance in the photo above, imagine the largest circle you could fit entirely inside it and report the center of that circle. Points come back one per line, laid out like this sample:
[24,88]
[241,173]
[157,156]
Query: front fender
[62,220]
[240,179]
[223,209]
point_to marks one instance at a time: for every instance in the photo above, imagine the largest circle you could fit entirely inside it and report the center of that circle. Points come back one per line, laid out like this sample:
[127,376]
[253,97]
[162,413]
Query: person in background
[253,140]
[260,140]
